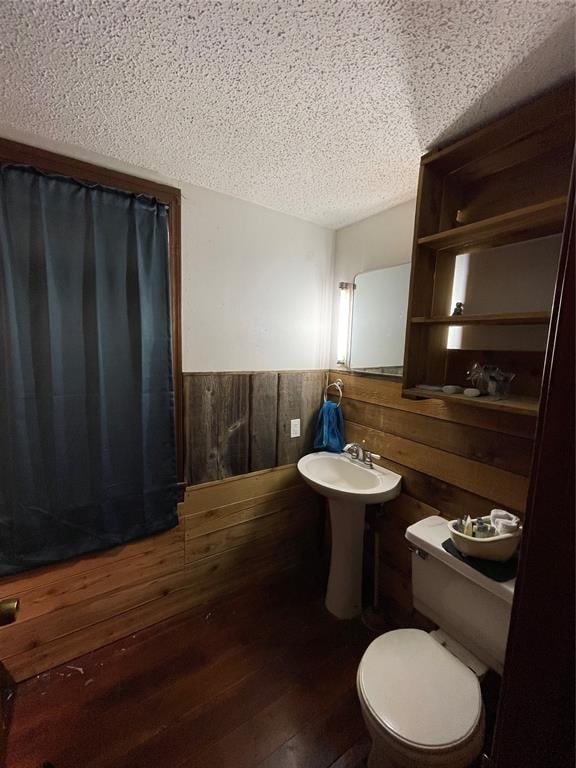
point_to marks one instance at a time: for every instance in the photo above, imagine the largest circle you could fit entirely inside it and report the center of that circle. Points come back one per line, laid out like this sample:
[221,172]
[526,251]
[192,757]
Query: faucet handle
[367,454]
[353,449]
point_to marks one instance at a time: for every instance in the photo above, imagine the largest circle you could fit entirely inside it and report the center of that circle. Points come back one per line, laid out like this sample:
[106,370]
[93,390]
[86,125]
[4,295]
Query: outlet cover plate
[294,427]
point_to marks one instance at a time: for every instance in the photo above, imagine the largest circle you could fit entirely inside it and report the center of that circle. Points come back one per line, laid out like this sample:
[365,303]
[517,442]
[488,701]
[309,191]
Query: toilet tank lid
[428,535]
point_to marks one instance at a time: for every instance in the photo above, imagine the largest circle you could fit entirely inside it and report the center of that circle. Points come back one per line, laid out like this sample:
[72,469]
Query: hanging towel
[329,429]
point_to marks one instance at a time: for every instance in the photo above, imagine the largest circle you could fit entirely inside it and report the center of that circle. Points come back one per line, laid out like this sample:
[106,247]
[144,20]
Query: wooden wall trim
[535,722]
[175,249]
[51,162]
[258,372]
[205,496]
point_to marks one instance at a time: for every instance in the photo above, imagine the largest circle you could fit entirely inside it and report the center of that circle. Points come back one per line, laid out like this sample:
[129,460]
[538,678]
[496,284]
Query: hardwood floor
[266,678]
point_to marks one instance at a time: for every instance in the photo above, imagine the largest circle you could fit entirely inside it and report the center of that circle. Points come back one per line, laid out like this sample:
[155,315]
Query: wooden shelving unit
[505,318]
[517,404]
[505,183]
[523,224]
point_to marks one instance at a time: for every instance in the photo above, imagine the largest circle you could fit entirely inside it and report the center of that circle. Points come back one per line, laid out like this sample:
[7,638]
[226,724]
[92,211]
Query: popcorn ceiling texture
[317,108]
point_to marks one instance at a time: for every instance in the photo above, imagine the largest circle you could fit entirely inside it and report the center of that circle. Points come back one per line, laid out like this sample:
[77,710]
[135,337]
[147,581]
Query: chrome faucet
[360,453]
[354,451]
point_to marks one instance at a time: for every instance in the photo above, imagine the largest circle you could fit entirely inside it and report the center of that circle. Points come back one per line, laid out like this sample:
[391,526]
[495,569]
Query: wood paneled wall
[240,422]
[231,534]
[240,530]
[454,460]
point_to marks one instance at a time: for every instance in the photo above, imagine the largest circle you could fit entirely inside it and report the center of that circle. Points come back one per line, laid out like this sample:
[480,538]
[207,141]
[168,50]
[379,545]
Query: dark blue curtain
[87,446]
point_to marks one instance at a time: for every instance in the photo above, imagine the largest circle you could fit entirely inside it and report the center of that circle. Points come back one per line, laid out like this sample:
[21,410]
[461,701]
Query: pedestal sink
[348,485]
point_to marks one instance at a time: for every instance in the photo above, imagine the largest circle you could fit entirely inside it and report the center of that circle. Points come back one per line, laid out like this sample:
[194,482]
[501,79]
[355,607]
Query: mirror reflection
[379,320]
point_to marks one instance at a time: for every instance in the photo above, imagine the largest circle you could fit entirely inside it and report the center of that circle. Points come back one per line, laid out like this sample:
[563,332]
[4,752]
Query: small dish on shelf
[501,547]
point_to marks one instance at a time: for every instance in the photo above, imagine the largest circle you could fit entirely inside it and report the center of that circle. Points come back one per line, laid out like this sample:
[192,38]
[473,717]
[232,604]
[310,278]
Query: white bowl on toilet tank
[470,607]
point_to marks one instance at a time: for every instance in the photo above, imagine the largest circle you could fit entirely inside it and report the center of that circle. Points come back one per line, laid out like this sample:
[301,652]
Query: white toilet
[420,692]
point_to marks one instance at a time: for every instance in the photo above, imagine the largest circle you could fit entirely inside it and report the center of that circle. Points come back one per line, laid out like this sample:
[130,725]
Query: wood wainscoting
[454,461]
[236,423]
[232,534]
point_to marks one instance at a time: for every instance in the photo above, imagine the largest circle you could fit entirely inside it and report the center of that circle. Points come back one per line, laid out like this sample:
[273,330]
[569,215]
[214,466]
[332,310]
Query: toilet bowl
[421,705]
[420,692]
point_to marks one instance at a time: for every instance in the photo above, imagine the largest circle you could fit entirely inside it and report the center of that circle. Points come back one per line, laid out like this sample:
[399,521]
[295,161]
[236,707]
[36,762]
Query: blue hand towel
[329,429]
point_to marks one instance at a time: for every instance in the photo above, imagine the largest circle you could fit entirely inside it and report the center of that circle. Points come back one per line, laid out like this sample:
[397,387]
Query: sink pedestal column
[344,594]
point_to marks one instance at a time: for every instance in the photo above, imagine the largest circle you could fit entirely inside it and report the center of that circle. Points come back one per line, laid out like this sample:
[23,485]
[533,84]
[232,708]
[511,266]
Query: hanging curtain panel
[87,447]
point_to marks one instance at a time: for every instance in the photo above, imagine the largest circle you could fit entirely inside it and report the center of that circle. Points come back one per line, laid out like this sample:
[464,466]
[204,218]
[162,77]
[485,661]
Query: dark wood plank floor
[265,678]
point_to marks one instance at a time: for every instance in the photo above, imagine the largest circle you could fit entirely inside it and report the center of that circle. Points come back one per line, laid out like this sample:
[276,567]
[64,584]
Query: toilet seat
[418,692]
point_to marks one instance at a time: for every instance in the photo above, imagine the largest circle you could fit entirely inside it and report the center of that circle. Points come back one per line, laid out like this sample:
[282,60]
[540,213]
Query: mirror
[379,320]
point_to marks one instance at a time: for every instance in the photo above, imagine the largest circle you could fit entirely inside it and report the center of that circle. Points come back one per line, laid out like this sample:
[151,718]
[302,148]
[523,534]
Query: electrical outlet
[294,427]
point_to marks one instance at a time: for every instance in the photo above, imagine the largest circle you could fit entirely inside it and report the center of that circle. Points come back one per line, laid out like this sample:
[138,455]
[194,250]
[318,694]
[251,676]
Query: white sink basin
[337,476]
[348,485]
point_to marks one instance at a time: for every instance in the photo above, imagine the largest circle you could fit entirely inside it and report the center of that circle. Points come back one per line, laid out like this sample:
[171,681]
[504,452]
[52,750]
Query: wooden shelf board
[507,318]
[521,224]
[532,117]
[514,404]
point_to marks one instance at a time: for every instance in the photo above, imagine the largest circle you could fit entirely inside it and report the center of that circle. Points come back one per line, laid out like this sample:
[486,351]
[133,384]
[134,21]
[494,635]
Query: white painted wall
[382,240]
[256,284]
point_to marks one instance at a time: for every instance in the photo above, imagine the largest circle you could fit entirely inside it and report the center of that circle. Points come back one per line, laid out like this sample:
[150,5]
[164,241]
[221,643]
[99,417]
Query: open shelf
[521,224]
[503,184]
[506,318]
[527,406]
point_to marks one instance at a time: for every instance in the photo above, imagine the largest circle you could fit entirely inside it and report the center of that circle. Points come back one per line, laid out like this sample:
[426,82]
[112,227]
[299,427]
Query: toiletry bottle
[481,529]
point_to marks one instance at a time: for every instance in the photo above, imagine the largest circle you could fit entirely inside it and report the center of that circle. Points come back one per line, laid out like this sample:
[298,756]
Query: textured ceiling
[319,108]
